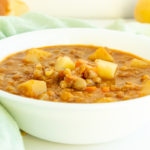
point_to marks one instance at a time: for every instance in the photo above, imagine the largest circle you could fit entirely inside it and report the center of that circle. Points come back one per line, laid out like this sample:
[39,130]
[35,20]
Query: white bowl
[77,123]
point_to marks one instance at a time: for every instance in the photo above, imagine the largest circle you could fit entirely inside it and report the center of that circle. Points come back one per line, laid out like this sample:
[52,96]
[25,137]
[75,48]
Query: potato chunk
[64,62]
[33,88]
[36,55]
[138,63]
[101,53]
[106,69]
[145,88]
[38,71]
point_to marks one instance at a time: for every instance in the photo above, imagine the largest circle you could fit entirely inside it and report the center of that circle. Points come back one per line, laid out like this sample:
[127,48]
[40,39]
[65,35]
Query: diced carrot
[90,88]
[78,63]
[105,89]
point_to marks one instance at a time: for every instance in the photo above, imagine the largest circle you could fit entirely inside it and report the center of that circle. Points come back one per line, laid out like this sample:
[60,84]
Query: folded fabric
[133,27]
[10,138]
[12,25]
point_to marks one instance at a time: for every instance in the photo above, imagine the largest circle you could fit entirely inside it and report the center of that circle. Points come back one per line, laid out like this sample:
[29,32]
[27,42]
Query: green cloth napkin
[10,138]
[134,27]
[12,25]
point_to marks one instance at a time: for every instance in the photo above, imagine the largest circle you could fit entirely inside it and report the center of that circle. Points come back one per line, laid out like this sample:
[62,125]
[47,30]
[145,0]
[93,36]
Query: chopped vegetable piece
[106,69]
[49,71]
[138,63]
[101,53]
[79,63]
[79,84]
[67,71]
[146,87]
[36,55]
[81,69]
[38,71]
[63,63]
[63,84]
[90,74]
[90,82]
[97,80]
[90,88]
[33,88]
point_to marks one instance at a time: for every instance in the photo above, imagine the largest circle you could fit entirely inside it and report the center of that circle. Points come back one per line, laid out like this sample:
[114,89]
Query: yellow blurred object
[17,7]
[142,11]
[12,7]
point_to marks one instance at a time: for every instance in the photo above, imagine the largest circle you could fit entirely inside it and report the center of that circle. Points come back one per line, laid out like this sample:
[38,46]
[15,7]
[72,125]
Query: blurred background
[91,9]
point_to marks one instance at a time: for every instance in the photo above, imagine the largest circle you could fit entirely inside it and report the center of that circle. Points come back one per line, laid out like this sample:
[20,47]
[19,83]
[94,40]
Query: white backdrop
[84,8]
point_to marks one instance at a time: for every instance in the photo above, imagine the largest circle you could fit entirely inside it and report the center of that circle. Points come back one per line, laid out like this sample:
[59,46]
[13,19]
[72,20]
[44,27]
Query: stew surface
[75,74]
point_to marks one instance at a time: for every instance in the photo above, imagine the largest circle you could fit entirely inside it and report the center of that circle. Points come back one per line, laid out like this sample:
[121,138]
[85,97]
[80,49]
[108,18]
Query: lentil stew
[75,74]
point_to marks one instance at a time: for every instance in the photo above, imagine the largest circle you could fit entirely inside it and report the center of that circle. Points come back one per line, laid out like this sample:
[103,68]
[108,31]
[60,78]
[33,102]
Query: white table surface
[140,140]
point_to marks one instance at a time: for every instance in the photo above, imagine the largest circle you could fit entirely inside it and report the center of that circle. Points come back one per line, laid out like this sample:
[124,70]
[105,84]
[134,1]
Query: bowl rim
[4,94]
